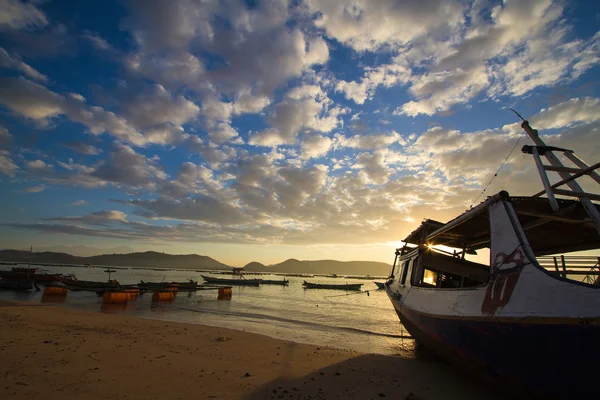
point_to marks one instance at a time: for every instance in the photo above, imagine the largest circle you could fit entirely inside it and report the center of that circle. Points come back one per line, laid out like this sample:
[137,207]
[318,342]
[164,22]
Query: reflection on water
[53,299]
[356,321]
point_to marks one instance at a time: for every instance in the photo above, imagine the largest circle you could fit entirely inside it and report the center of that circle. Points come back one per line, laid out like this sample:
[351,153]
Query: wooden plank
[580,195]
[588,170]
[562,169]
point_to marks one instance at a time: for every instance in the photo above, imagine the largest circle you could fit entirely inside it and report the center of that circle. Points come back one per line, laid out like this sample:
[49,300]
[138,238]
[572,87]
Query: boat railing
[581,268]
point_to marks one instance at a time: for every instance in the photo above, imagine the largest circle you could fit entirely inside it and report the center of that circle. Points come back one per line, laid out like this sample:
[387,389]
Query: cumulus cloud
[369,141]
[304,108]
[365,25]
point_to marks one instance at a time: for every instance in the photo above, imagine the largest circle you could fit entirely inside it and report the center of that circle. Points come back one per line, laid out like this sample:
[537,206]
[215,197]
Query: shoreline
[52,352]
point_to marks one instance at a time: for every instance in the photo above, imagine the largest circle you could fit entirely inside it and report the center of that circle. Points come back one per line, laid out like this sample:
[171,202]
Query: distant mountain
[324,267]
[150,259]
[153,259]
[254,266]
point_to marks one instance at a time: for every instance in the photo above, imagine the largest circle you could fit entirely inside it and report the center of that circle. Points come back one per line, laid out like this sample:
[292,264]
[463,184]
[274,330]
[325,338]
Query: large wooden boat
[532,328]
[226,281]
[335,286]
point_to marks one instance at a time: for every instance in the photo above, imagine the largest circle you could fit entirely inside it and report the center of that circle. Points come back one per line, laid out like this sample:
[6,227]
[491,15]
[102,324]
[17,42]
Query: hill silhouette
[150,259]
[325,267]
[153,259]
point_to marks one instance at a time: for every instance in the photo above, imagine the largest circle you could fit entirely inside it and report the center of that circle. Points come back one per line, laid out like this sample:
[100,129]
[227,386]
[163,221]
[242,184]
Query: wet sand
[52,352]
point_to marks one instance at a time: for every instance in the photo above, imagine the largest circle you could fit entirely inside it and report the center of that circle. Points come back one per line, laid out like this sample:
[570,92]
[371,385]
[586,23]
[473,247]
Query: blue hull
[544,359]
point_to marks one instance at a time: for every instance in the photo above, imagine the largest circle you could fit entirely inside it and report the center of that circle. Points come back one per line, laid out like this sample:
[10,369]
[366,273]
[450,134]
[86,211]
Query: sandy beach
[53,352]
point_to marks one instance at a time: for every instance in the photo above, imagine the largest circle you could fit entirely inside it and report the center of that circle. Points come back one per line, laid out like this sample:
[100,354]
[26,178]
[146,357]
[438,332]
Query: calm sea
[361,322]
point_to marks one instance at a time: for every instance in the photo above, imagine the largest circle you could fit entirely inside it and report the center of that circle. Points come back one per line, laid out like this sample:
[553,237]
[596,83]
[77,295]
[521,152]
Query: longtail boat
[76,284]
[529,324]
[191,284]
[340,286]
[282,282]
[226,281]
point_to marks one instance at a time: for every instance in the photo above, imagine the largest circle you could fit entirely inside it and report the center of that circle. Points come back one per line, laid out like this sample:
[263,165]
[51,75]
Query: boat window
[404,271]
[430,277]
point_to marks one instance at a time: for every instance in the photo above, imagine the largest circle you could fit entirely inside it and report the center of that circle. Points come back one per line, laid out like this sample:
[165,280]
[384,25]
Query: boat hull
[23,284]
[309,285]
[228,282]
[540,358]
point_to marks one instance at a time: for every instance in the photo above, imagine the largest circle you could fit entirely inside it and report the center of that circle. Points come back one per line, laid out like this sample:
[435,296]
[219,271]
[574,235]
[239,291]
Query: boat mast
[29,261]
[541,149]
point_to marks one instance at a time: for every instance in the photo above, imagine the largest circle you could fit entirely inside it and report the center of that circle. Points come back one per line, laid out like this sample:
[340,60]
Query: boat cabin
[434,255]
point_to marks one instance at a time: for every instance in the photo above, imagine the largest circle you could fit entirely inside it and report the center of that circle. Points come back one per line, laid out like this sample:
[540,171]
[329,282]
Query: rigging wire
[498,171]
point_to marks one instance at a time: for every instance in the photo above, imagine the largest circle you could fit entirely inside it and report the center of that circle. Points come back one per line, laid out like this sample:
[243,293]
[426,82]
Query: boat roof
[548,233]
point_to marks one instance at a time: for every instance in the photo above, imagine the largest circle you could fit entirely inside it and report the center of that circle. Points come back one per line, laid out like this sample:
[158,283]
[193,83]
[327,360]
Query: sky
[265,130]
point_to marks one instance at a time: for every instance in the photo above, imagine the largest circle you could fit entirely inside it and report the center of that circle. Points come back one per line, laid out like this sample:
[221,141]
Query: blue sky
[266,130]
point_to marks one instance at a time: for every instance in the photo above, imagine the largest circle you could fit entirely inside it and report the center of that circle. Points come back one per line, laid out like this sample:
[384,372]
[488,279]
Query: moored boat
[511,319]
[281,282]
[335,286]
[17,284]
[225,281]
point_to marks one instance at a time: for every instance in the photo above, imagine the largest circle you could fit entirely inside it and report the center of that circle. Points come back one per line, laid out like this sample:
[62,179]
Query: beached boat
[281,282]
[225,281]
[337,286]
[531,328]
[380,285]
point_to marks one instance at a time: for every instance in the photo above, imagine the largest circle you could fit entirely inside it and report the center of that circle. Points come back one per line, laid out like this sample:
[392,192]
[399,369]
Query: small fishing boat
[531,328]
[380,285]
[189,285]
[76,284]
[336,286]
[17,284]
[281,282]
[226,281]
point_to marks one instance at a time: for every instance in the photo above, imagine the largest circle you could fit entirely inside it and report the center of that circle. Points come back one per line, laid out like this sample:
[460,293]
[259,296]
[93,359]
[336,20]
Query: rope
[498,171]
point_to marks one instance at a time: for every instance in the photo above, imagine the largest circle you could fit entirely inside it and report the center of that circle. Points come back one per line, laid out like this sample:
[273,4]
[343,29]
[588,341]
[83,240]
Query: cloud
[6,61]
[125,166]
[83,148]
[78,203]
[36,189]
[5,137]
[576,110]
[304,108]
[314,146]
[370,141]
[103,217]
[7,166]
[15,14]
[366,26]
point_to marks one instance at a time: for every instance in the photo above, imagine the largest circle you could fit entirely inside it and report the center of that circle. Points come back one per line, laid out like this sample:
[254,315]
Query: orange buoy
[133,293]
[163,296]
[172,289]
[115,298]
[225,291]
[55,291]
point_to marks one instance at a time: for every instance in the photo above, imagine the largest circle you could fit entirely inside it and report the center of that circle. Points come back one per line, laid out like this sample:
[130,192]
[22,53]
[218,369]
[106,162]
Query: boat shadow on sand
[373,376]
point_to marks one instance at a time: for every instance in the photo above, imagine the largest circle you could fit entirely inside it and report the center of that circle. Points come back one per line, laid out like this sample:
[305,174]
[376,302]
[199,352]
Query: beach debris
[381,394]
[223,339]
[247,375]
